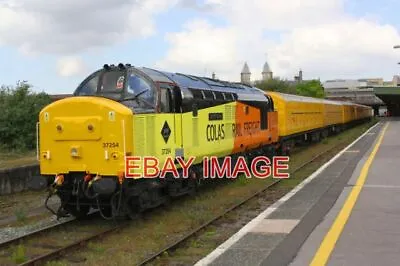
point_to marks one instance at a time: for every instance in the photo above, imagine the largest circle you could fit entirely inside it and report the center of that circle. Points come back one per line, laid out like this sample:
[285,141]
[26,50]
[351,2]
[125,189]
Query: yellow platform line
[328,244]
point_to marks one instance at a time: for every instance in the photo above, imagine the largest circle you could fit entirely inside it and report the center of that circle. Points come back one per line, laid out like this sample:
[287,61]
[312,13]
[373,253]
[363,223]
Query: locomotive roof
[243,91]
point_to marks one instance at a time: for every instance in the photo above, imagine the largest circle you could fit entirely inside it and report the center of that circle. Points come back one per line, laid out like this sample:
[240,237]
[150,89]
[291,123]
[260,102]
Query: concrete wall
[16,179]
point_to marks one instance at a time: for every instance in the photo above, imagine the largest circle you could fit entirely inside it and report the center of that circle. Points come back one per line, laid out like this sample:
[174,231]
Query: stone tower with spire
[245,74]
[267,72]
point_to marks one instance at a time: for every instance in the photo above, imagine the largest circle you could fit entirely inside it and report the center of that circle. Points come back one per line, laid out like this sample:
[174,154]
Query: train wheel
[194,183]
[69,206]
[133,209]
[133,215]
[82,213]
[106,211]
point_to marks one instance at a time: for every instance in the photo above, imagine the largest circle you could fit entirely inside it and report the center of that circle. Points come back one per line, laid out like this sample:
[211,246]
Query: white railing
[37,142]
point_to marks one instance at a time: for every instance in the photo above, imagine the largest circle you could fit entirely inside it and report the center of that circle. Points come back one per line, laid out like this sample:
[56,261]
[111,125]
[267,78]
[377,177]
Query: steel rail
[33,233]
[175,244]
[63,250]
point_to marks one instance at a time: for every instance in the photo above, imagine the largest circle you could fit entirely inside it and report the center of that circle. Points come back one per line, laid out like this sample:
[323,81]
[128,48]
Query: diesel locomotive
[121,110]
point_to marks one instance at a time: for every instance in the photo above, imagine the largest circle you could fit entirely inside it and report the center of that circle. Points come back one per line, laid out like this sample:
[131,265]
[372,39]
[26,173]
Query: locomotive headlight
[46,155]
[75,152]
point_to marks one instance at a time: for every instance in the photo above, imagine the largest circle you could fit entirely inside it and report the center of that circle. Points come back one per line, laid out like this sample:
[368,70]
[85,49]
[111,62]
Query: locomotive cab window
[112,82]
[138,86]
[109,84]
[89,85]
[140,93]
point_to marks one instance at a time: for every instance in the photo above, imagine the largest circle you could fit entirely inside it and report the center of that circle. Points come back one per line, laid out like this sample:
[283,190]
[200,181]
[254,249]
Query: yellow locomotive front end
[85,135]
[83,142]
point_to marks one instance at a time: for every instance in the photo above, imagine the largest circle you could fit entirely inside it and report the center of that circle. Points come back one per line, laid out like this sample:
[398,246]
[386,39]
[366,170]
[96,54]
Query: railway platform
[345,213]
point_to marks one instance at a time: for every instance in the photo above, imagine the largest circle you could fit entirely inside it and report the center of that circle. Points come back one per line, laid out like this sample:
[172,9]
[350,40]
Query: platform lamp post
[395,47]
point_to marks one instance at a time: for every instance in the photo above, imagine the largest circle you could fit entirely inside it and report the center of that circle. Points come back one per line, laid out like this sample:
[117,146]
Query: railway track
[59,251]
[49,232]
[21,238]
[197,230]
[40,260]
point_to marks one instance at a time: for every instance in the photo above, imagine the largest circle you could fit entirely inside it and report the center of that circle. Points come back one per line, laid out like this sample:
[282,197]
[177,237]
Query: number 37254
[110,144]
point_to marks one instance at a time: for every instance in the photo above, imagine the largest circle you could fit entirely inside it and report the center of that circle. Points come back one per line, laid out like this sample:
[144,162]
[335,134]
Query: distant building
[245,75]
[299,78]
[359,90]
[267,72]
[395,80]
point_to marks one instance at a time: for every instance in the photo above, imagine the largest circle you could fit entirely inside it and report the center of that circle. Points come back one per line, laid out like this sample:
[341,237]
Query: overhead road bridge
[391,97]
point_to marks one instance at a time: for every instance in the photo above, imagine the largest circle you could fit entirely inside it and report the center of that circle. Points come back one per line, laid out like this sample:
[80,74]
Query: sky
[55,44]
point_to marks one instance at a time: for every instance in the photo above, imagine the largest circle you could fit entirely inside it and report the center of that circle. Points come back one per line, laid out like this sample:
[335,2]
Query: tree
[276,84]
[312,88]
[20,109]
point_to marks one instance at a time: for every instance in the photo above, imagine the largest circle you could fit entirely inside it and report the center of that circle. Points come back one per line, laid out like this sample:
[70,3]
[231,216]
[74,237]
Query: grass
[96,247]
[42,243]
[18,255]
[27,220]
[56,263]
[18,204]
[20,214]
[15,159]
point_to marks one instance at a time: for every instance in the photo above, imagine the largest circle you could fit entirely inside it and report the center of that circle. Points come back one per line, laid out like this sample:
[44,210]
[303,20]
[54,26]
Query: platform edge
[238,235]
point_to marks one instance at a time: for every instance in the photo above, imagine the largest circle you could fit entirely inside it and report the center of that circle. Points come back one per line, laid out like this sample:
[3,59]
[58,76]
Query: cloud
[344,48]
[73,26]
[70,66]
[193,4]
[200,47]
[317,36]
[276,15]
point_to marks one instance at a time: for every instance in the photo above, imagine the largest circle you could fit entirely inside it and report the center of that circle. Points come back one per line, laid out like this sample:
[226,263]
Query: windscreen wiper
[135,97]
